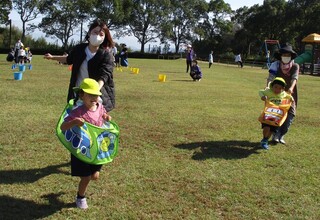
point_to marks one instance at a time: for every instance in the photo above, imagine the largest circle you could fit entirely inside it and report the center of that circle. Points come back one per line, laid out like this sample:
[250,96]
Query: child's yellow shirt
[277,99]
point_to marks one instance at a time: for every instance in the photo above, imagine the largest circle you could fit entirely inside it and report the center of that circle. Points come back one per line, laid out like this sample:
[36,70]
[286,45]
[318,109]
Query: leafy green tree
[114,12]
[259,23]
[181,20]
[5,35]
[29,41]
[28,11]
[244,36]
[63,18]
[214,29]
[6,7]
[216,20]
[265,21]
[302,18]
[144,19]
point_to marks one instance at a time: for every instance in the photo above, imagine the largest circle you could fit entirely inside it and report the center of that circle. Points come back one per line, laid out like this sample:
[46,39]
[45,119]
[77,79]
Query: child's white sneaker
[81,203]
[282,140]
[275,138]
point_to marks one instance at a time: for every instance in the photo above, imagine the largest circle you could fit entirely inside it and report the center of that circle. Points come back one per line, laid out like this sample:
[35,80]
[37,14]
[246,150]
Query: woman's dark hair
[78,94]
[108,42]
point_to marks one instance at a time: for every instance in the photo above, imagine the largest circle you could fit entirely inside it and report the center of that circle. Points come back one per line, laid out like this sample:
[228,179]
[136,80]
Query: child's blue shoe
[264,144]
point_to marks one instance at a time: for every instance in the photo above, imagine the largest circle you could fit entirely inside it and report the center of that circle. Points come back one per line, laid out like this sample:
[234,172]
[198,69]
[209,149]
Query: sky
[130,41]
[235,4]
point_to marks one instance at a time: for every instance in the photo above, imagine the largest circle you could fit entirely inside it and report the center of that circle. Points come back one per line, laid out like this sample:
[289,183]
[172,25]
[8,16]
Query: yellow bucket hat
[89,86]
[279,80]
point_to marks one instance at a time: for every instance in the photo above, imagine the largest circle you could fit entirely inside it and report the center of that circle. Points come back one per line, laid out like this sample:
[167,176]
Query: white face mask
[285,60]
[96,40]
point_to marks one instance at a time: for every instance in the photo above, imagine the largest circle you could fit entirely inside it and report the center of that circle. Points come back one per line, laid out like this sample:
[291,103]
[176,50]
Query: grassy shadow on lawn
[232,149]
[31,175]
[12,208]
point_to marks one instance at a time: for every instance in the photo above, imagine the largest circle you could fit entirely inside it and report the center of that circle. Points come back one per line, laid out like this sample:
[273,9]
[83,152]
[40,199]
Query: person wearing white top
[21,55]
[17,47]
[210,58]
[238,60]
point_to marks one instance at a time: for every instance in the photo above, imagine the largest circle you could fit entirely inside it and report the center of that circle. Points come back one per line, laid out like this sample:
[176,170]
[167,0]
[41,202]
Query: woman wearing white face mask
[90,60]
[286,68]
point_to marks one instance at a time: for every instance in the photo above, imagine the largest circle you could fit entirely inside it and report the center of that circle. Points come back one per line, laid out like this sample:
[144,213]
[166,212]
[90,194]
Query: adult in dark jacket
[124,56]
[90,60]
[93,61]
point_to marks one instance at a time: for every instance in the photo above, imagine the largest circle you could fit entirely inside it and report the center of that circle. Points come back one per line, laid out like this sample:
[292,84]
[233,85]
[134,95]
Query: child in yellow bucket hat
[93,112]
[89,86]
[278,97]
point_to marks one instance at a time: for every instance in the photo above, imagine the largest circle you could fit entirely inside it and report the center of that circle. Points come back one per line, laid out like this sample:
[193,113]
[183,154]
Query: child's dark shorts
[272,128]
[79,168]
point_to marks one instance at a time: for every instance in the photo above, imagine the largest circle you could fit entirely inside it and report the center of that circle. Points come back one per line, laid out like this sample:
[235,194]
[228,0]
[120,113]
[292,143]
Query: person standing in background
[238,60]
[17,47]
[114,53]
[124,56]
[21,55]
[210,58]
[189,57]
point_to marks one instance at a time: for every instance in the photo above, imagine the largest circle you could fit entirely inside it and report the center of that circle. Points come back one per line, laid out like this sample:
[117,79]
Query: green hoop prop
[89,143]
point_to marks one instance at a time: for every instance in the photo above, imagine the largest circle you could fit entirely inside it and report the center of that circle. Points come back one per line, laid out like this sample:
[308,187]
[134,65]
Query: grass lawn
[188,150]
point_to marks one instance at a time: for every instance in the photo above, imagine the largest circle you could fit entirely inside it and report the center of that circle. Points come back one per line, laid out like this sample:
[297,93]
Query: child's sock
[80,197]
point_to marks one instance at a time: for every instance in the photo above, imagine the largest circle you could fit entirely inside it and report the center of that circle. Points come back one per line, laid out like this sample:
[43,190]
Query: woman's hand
[47,56]
[61,59]
[290,91]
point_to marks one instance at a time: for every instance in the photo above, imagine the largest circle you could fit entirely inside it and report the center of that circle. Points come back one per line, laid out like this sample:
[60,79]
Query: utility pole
[10,33]
[81,31]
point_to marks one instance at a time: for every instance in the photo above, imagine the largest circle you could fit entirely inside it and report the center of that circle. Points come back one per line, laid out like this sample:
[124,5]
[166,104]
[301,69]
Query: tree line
[207,25]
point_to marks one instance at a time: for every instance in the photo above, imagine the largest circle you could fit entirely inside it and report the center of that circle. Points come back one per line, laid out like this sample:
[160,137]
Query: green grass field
[188,150]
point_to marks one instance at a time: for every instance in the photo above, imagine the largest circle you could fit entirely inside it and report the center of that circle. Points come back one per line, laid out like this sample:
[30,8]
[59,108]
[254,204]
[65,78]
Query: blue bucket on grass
[13,66]
[30,67]
[17,75]
[22,68]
